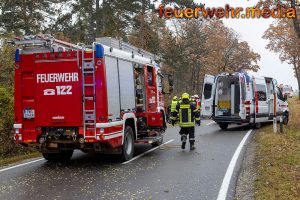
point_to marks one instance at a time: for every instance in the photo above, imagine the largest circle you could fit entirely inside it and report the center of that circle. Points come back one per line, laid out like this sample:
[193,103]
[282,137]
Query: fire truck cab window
[150,75]
[139,86]
[159,82]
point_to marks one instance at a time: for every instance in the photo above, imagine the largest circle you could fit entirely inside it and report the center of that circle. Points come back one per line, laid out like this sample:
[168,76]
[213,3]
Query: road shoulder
[19,159]
[246,178]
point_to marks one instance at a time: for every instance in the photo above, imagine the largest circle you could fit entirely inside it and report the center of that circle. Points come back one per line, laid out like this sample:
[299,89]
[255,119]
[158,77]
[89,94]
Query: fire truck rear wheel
[61,156]
[128,144]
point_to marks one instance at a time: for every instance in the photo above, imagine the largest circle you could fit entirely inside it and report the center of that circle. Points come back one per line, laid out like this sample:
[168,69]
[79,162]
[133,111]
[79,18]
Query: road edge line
[150,150]
[227,178]
[20,165]
[210,123]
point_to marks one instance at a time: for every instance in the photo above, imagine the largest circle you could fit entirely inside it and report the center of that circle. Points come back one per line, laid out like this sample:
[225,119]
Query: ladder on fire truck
[87,66]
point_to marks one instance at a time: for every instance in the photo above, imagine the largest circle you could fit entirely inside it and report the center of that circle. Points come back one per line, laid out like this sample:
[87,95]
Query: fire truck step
[88,72]
[89,118]
[89,111]
[89,85]
[90,98]
[88,67]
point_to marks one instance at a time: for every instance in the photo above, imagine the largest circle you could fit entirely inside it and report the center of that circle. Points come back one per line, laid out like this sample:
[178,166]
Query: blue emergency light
[17,55]
[99,51]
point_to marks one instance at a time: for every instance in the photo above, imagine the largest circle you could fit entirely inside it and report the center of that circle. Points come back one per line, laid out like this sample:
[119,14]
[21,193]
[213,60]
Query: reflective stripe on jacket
[173,105]
[187,114]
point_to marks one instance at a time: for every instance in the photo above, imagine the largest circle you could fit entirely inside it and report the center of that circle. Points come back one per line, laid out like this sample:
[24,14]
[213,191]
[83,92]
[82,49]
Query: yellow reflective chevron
[185,106]
[187,124]
[173,105]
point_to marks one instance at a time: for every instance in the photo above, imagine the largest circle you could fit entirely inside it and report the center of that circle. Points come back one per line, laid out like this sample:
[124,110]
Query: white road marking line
[210,123]
[20,165]
[226,181]
[150,150]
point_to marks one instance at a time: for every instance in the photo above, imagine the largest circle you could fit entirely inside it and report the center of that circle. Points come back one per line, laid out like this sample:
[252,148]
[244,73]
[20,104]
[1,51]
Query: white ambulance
[240,98]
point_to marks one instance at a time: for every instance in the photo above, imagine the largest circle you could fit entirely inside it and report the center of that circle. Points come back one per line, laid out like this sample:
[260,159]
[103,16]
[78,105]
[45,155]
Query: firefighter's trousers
[187,131]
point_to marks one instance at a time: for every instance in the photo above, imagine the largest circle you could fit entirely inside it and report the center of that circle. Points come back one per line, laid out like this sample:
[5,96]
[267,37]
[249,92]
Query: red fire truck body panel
[63,97]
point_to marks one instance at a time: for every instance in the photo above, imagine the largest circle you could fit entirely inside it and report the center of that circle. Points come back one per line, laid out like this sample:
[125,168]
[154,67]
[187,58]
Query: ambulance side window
[207,90]
[243,88]
[261,92]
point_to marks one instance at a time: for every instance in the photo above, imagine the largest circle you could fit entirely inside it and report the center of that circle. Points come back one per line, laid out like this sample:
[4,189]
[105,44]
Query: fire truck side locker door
[208,94]
[113,87]
[127,90]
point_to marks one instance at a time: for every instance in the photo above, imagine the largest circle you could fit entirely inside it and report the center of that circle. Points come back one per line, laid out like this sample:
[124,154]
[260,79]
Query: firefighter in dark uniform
[188,114]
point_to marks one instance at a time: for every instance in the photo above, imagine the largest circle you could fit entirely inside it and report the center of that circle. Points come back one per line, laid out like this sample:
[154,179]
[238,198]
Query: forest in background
[188,48]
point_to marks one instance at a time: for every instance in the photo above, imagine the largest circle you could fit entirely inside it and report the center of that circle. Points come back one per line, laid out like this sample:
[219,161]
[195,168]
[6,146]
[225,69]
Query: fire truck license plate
[28,114]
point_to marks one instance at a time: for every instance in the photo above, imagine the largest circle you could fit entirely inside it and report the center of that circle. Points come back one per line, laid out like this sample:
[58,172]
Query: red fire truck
[100,98]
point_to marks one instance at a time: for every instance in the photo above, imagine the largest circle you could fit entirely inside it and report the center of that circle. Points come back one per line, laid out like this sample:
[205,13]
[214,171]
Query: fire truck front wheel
[127,148]
[61,156]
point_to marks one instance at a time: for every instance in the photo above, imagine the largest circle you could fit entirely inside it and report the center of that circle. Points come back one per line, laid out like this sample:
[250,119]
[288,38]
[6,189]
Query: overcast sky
[252,30]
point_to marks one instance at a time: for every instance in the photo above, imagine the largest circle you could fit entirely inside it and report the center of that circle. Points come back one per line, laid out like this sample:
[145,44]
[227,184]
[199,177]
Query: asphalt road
[165,173]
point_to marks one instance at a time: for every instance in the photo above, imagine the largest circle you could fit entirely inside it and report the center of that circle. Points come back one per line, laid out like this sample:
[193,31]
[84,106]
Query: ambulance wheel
[257,125]
[223,126]
[128,144]
[285,118]
[61,156]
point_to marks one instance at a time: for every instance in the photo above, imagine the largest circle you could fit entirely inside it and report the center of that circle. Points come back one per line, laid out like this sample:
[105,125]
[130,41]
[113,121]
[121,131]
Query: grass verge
[278,159]
[18,158]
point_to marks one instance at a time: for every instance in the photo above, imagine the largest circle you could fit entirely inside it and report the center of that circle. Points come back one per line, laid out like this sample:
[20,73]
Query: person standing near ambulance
[198,105]
[188,114]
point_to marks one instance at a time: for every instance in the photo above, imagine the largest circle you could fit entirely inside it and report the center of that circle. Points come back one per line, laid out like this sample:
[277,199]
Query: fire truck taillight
[17,137]
[81,140]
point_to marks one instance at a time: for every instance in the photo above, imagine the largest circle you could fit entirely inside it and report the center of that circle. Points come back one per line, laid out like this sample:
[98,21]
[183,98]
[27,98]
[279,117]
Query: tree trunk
[299,89]
[295,20]
[193,78]
[297,73]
